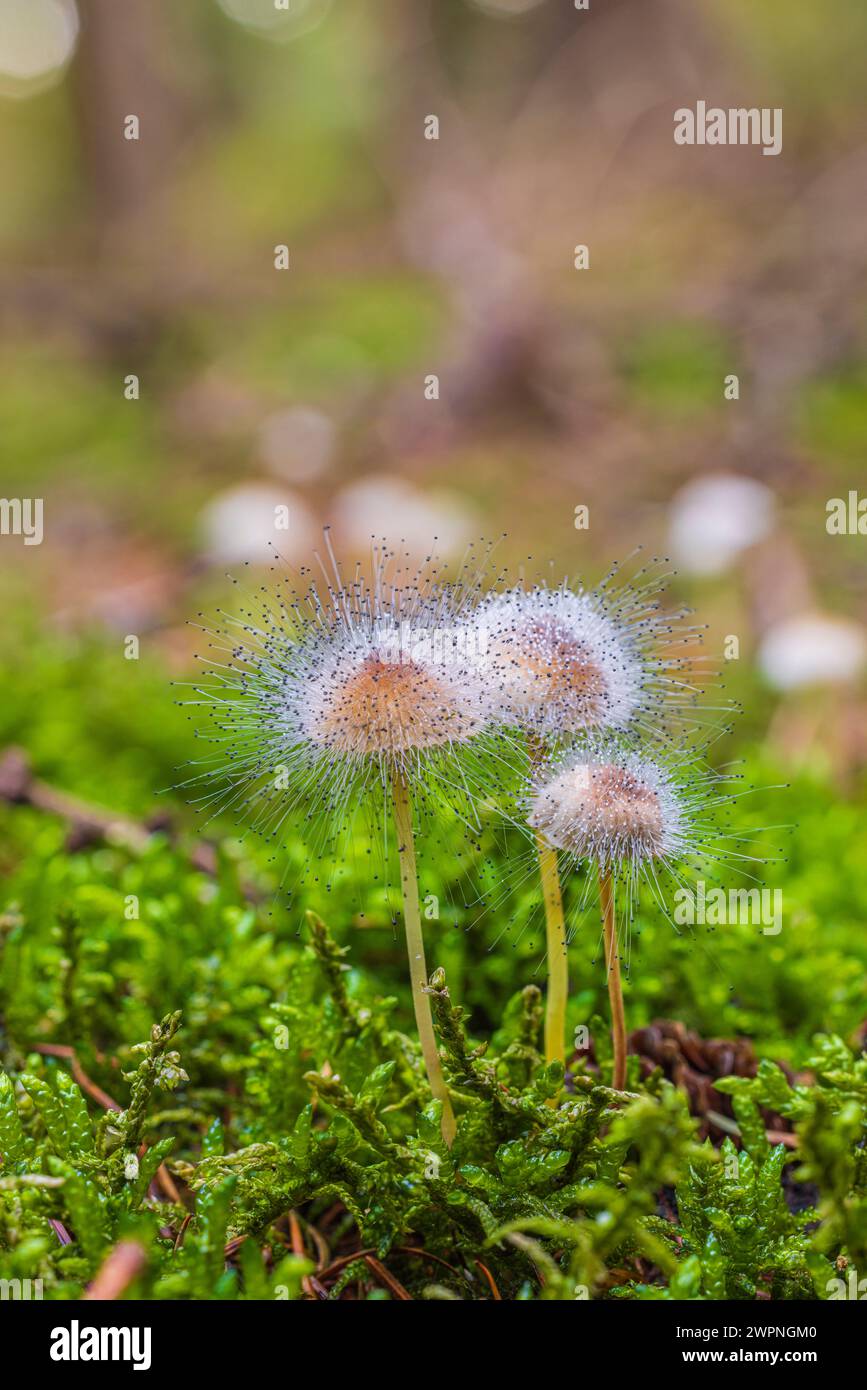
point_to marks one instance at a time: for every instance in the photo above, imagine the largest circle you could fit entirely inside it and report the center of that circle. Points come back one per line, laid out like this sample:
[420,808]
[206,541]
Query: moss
[554,1202]
[278,1073]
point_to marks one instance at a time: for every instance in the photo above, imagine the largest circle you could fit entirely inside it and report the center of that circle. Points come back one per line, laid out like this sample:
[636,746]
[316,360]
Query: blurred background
[408,258]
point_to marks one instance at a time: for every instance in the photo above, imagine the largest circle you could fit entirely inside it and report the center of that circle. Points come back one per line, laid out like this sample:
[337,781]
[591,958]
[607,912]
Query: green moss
[291,1079]
[677,370]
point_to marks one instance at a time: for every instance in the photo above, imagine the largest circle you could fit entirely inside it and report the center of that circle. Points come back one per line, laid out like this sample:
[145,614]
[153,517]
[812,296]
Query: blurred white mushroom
[297,444]
[383,505]
[714,518]
[37,40]
[253,521]
[812,649]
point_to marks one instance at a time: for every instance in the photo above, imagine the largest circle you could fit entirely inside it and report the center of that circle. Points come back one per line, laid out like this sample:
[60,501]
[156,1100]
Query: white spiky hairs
[565,662]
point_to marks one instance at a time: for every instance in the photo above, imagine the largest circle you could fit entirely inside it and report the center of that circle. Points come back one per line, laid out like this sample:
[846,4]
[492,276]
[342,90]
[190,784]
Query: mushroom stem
[415,950]
[615,988]
[558,962]
[555,935]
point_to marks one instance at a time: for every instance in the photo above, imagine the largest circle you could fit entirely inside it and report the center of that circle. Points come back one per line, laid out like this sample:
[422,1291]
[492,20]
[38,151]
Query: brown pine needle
[120,1268]
[491,1281]
[387,1279]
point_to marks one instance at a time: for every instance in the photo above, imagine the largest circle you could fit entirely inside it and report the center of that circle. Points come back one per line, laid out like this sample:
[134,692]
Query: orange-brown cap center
[389,707]
[552,664]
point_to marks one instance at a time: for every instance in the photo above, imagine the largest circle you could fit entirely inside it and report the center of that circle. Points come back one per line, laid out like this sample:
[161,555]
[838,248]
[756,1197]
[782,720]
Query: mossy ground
[273,1136]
